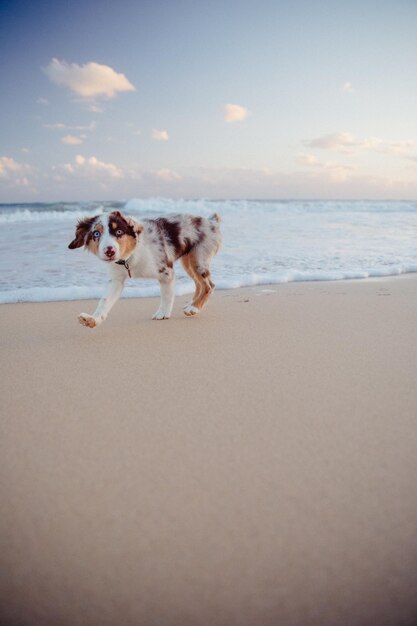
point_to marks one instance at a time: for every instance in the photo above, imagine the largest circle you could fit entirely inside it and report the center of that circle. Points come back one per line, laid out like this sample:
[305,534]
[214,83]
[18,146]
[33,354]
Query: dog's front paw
[190,309]
[160,315]
[88,320]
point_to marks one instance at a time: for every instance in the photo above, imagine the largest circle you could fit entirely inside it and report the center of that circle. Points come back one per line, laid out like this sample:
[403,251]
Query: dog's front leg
[105,304]
[167,285]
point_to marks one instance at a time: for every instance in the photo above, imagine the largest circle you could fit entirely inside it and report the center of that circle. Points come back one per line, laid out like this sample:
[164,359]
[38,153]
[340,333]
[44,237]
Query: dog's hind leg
[198,269]
[189,268]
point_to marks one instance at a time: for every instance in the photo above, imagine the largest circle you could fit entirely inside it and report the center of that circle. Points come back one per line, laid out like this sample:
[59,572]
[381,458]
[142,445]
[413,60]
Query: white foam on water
[55,294]
[25,215]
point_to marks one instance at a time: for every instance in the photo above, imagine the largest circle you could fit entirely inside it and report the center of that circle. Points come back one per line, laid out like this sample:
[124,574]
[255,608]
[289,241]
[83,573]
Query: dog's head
[111,236]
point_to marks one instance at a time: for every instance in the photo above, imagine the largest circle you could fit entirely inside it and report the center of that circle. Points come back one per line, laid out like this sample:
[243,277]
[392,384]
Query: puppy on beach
[148,249]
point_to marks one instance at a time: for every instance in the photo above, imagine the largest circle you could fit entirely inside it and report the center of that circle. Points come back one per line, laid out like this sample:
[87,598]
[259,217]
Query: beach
[253,466]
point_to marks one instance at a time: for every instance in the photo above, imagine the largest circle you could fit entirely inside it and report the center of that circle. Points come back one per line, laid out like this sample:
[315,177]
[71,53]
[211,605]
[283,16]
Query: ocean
[265,242]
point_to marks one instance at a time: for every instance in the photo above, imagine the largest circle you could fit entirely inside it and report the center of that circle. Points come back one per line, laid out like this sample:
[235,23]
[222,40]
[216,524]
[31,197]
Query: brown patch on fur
[137,227]
[127,244]
[189,267]
[117,221]
[82,232]
[129,228]
[196,222]
[172,233]
[203,285]
[171,230]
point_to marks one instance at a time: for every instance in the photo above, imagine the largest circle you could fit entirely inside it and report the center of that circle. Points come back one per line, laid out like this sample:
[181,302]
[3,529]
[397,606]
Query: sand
[255,465]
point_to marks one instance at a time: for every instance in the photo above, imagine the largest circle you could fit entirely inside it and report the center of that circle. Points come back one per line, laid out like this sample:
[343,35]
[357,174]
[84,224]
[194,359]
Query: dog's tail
[215,218]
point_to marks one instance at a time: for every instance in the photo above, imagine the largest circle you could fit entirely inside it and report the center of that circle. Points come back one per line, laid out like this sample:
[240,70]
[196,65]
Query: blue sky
[181,98]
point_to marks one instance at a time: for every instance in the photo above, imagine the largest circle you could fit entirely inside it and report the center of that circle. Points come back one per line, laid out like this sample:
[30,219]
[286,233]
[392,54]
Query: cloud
[60,126]
[167,175]
[42,101]
[56,126]
[335,171]
[9,167]
[67,167]
[71,140]
[89,81]
[348,88]
[160,135]
[94,108]
[235,113]
[400,147]
[346,143]
[307,159]
[336,142]
[14,174]
[91,167]
[87,177]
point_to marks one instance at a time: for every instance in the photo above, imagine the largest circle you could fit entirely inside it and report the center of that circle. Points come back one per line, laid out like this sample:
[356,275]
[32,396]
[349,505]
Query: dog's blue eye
[119,233]
[96,234]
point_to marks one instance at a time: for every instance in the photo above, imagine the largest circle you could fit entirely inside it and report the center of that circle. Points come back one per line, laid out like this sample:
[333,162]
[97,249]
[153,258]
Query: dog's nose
[109,252]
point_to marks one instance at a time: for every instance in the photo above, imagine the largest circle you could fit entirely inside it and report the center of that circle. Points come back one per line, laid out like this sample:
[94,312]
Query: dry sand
[254,466]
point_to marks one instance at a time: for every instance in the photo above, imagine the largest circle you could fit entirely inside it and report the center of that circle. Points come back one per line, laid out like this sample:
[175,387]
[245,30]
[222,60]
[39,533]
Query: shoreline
[253,465]
[188,289]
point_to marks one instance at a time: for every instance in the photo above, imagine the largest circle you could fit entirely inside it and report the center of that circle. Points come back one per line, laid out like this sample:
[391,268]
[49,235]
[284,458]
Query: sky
[105,100]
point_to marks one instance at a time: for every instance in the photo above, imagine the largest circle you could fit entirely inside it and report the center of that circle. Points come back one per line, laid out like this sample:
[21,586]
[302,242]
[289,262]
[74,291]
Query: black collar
[125,264]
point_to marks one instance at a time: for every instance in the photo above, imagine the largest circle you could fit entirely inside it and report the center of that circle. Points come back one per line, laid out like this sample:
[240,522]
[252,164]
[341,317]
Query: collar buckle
[125,264]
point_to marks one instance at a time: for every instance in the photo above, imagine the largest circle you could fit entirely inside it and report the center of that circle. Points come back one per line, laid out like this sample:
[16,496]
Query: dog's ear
[137,226]
[81,232]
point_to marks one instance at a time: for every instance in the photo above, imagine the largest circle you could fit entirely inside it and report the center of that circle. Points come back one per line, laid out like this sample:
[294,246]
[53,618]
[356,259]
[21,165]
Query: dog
[148,249]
